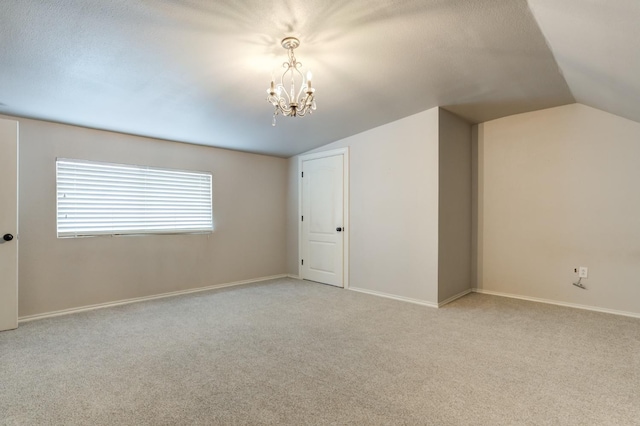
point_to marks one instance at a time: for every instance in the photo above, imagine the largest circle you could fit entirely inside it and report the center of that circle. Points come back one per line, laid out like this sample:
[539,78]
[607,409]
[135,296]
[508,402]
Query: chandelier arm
[309,100]
[284,107]
[305,110]
[303,84]
[303,104]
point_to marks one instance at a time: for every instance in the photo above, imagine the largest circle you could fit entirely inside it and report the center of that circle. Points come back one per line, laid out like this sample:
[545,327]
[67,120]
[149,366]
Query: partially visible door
[322,254]
[8,224]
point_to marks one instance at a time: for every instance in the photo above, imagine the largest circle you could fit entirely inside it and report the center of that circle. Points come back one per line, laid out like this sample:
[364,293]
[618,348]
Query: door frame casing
[345,207]
[15,132]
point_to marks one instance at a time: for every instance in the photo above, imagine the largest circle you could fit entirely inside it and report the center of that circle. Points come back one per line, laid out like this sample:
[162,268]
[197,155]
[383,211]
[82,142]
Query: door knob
[338,229]
[7,237]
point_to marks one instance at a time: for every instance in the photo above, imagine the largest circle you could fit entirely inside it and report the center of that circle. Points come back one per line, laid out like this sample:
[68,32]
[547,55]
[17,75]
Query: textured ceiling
[197,70]
[597,46]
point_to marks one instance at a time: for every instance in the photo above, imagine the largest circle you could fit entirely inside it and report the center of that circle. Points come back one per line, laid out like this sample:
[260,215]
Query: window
[117,199]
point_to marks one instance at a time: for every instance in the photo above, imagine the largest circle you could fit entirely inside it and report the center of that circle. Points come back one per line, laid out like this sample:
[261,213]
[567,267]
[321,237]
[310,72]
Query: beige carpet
[292,352]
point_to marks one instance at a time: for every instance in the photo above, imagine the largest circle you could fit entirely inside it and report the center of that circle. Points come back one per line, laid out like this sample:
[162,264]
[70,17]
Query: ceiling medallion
[291,103]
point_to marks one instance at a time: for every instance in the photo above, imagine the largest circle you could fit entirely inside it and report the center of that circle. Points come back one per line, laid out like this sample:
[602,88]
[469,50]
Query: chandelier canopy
[291,103]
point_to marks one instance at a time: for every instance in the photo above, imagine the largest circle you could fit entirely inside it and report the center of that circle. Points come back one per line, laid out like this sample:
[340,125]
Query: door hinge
[302,218]
[302,174]
[302,261]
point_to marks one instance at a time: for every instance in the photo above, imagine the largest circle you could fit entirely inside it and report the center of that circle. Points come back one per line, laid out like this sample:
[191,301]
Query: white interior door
[8,224]
[323,220]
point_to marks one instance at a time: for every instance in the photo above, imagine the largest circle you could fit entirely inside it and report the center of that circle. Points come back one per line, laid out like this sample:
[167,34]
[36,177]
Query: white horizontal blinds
[99,198]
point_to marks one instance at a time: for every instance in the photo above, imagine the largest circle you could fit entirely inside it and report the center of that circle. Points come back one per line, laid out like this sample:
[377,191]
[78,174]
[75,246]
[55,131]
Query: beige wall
[393,205]
[558,189]
[454,206]
[249,198]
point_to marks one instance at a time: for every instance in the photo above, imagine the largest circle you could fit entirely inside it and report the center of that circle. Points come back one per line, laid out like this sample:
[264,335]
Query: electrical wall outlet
[583,272]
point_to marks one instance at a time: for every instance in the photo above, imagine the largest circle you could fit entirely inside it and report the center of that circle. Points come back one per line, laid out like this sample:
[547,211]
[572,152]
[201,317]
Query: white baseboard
[142,299]
[555,302]
[457,296]
[393,296]
[360,290]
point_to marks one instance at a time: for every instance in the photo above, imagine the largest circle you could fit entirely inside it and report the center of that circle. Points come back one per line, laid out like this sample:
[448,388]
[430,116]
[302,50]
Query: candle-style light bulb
[309,75]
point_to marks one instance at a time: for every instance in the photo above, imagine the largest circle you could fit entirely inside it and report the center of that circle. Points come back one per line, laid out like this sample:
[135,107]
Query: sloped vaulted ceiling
[597,46]
[196,70]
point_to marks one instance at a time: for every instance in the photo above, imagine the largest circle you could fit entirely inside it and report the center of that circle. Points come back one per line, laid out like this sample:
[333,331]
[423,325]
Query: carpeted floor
[292,352]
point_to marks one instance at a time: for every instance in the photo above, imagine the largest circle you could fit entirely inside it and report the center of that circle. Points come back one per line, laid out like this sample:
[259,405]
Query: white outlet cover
[583,272]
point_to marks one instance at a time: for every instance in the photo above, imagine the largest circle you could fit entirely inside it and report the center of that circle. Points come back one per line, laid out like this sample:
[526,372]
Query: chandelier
[291,103]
